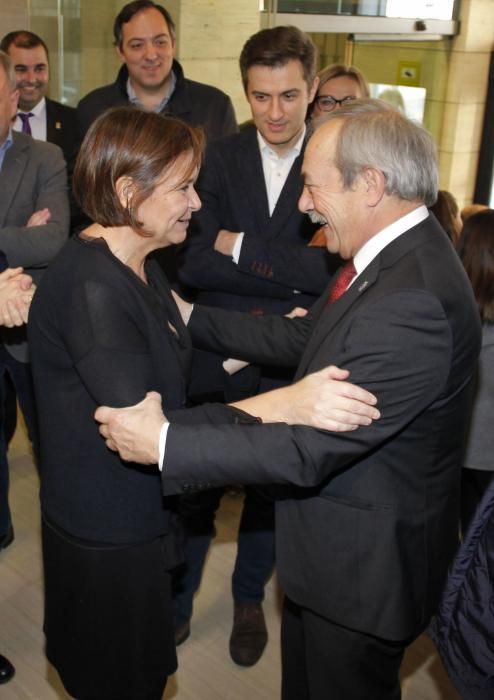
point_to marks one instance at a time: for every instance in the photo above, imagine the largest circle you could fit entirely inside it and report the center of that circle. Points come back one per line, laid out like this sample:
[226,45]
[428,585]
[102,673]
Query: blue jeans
[255,554]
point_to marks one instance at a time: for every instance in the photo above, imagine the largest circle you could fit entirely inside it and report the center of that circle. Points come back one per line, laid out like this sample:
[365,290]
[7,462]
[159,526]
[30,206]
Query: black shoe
[249,634]
[7,671]
[182,632]
[8,538]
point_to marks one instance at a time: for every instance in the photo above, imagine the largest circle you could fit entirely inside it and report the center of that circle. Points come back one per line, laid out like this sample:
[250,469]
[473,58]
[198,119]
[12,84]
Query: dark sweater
[99,335]
[196,103]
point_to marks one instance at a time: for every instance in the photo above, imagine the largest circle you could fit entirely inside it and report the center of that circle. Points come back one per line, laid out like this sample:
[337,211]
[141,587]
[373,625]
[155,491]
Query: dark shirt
[100,335]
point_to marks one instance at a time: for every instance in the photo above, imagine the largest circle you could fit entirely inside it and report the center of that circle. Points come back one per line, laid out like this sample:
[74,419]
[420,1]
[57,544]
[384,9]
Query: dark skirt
[108,617]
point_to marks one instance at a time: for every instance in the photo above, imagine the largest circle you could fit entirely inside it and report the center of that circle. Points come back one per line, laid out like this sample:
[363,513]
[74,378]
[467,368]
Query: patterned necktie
[26,126]
[345,276]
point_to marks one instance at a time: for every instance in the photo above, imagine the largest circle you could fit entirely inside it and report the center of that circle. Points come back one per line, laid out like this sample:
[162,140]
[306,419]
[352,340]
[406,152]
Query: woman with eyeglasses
[338,84]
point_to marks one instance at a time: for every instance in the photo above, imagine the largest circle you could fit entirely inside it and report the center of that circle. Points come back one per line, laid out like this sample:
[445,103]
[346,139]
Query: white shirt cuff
[162,444]
[237,248]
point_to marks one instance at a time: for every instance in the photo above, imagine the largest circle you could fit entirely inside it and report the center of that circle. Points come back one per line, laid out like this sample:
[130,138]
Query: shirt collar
[133,99]
[266,149]
[37,110]
[4,147]
[373,247]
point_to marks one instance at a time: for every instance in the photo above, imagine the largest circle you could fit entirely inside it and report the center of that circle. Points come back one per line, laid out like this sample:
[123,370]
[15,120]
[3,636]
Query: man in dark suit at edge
[364,542]
[34,222]
[247,250]
[49,120]
[42,118]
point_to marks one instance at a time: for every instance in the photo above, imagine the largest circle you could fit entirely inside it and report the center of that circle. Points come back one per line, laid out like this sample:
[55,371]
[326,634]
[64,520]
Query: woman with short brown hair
[104,326]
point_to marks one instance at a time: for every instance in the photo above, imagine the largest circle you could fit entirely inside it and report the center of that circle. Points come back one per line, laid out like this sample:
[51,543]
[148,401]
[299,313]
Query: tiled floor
[206,671]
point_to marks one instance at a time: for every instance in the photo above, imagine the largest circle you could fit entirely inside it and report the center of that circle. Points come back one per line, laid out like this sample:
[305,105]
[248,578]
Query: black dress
[99,335]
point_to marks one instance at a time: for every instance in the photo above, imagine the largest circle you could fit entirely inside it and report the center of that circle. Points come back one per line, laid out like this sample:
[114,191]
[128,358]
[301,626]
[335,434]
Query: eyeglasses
[326,103]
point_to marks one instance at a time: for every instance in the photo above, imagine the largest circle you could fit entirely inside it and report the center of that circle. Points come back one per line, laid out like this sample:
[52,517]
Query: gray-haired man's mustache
[316,218]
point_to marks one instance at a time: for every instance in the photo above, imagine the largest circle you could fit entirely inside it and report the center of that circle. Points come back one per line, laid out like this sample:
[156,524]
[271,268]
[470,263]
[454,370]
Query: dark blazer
[33,177]
[195,103]
[366,538]
[275,260]
[276,269]
[61,129]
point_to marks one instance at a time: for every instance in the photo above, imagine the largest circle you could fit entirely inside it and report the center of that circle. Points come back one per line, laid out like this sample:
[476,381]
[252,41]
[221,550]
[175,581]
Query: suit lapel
[252,187]
[52,133]
[13,167]
[327,317]
[289,196]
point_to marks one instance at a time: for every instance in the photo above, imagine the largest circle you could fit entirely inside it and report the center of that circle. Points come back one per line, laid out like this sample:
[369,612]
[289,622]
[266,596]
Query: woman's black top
[99,335]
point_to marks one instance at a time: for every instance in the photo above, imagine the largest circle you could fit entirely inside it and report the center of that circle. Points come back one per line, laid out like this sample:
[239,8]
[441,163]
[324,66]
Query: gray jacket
[33,177]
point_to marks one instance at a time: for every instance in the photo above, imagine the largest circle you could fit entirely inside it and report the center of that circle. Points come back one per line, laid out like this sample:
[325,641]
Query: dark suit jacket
[275,262]
[367,537]
[61,129]
[33,177]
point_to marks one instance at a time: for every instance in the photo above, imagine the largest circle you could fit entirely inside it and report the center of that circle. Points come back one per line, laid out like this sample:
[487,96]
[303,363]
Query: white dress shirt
[373,247]
[275,169]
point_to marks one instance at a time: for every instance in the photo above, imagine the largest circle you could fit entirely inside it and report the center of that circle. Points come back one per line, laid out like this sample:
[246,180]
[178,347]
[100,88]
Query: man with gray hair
[366,534]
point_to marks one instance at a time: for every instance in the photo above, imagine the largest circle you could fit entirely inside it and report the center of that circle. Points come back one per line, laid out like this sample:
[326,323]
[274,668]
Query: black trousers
[324,661]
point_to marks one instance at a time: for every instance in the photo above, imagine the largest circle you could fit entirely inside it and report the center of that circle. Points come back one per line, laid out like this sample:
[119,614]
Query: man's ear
[313,89]
[124,187]
[120,53]
[374,185]
[14,101]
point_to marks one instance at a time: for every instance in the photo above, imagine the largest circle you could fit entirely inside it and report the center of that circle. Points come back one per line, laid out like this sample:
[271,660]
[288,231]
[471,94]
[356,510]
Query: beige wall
[454,73]
[465,99]
[380,61]
[211,37]
[14,15]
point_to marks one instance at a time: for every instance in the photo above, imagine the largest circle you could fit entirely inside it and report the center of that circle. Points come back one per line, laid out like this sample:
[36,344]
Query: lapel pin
[58,125]
[363,286]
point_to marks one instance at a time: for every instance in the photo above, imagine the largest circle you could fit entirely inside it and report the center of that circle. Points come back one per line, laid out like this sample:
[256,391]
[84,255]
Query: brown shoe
[249,634]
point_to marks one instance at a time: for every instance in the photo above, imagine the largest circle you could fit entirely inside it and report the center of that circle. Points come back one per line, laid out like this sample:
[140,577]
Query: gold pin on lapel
[58,125]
